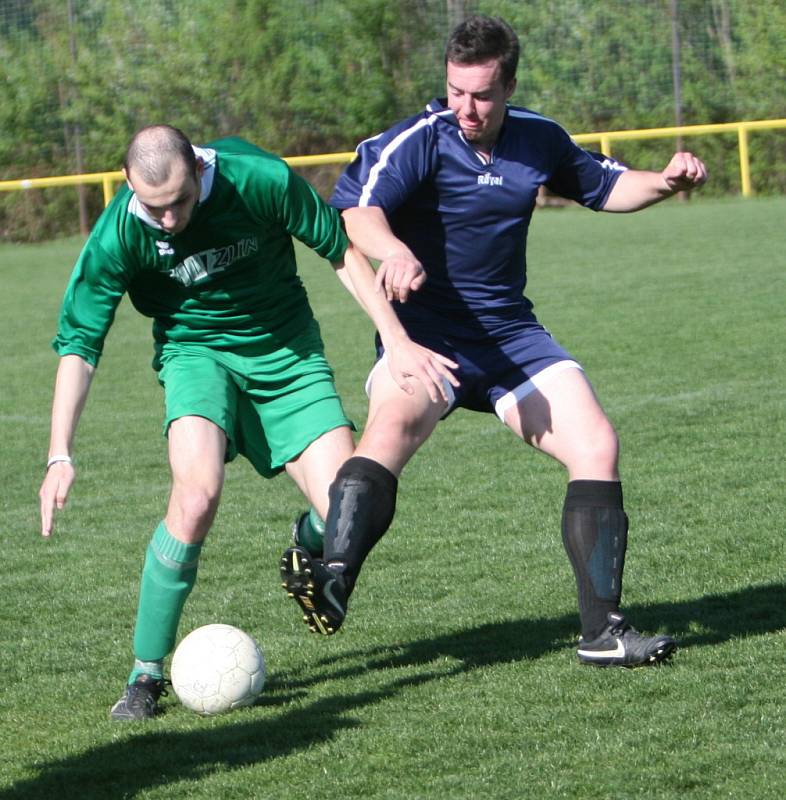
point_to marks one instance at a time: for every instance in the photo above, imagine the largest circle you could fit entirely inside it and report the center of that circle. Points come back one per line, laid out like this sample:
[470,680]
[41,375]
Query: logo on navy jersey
[487,179]
[200,266]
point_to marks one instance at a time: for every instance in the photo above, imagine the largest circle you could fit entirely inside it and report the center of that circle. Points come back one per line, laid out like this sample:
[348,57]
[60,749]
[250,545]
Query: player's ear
[510,88]
[127,179]
[200,167]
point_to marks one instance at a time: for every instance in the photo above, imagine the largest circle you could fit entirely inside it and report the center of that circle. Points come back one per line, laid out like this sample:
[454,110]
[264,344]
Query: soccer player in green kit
[201,240]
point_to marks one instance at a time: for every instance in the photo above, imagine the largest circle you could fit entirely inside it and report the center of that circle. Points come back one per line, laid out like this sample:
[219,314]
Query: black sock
[595,535]
[362,504]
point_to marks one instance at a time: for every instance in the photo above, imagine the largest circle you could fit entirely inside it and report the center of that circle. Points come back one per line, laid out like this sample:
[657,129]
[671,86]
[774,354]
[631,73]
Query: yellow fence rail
[742,129]
[109,180]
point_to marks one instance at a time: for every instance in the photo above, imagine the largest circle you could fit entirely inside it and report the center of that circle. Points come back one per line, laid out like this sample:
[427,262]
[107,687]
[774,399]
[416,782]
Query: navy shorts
[495,371]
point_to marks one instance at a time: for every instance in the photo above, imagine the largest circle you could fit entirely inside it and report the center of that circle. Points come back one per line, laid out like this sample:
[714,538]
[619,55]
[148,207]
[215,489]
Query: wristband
[56,459]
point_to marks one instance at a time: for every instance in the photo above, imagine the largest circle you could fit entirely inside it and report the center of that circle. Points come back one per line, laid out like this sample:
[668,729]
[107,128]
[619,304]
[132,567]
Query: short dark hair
[479,39]
[154,149]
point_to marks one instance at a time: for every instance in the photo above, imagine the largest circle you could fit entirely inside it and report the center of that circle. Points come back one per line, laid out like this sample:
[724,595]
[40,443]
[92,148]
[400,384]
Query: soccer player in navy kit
[443,200]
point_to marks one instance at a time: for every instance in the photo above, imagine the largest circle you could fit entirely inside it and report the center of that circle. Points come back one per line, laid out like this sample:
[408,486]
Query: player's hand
[684,172]
[54,493]
[399,274]
[408,360]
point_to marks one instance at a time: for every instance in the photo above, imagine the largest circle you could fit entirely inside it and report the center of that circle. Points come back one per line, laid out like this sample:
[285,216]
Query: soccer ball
[217,668]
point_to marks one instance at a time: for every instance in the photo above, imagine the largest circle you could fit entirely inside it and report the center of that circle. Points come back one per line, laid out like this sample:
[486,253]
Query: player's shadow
[145,756]
[705,621]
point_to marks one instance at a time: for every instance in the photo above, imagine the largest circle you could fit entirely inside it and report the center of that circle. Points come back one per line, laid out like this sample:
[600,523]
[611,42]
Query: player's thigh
[196,453]
[196,457]
[200,402]
[398,423]
[316,467]
[564,419]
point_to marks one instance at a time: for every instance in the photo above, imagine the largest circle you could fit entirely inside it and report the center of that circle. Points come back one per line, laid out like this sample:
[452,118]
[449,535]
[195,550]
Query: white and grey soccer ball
[217,668]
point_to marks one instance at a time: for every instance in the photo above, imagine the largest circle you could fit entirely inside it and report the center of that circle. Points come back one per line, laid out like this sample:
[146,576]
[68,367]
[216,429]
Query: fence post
[745,167]
[109,189]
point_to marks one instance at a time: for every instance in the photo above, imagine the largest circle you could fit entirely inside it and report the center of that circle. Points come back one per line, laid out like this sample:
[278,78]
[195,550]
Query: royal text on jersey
[487,179]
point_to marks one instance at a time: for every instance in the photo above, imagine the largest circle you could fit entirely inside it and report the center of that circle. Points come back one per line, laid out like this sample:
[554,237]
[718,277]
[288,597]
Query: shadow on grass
[136,763]
[133,764]
[716,618]
[707,620]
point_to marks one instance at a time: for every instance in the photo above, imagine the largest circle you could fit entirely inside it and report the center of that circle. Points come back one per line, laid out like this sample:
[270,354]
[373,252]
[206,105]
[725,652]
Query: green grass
[455,675]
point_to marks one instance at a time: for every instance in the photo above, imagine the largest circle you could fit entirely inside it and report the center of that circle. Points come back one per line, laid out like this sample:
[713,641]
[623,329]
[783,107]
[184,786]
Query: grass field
[455,675]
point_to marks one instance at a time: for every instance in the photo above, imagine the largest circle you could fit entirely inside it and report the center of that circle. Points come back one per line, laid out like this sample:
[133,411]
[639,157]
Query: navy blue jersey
[466,219]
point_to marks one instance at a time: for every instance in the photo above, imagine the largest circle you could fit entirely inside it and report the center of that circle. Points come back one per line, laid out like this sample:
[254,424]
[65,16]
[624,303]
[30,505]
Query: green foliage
[323,81]
[455,675]
[316,76]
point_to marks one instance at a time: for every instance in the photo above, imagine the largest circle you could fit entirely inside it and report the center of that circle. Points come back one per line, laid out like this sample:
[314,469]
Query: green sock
[317,525]
[168,576]
[311,532]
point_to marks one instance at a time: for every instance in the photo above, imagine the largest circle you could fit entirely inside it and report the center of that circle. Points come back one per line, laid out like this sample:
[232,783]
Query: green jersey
[228,280]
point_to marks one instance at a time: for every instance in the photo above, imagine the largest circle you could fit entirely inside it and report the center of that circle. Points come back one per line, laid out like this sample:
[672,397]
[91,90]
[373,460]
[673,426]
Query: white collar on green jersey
[208,156]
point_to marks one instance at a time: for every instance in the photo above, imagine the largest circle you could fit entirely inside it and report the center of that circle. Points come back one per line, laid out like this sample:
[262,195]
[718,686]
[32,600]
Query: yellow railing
[740,128]
[109,179]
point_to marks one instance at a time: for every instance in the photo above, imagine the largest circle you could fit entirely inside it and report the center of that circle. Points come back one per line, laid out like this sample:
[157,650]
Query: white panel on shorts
[523,389]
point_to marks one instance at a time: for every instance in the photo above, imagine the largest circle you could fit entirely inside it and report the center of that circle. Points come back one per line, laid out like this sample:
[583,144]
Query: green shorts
[271,406]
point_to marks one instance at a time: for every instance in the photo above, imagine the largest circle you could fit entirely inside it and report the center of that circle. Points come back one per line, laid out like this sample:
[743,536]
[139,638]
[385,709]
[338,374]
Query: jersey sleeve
[583,176]
[311,220]
[389,167]
[96,286]
[282,195]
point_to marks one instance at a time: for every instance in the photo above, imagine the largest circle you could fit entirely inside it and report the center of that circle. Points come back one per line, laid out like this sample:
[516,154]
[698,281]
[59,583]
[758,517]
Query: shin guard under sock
[168,576]
[362,505]
[595,536]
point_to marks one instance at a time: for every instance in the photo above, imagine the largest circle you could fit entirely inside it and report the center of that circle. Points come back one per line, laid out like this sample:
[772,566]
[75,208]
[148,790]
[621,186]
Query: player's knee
[196,507]
[395,429]
[592,452]
[600,447]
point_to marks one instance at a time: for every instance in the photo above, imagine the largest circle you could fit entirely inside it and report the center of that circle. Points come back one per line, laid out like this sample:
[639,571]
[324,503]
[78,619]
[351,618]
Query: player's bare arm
[399,271]
[637,189]
[74,376]
[406,359]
